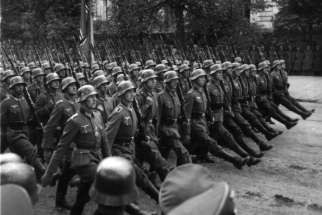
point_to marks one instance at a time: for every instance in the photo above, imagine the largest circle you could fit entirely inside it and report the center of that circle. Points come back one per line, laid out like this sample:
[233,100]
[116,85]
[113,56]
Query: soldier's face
[18,89]
[91,102]
[72,89]
[219,75]
[82,82]
[40,79]
[26,76]
[55,84]
[129,96]
[173,84]
[201,81]
[103,88]
[151,83]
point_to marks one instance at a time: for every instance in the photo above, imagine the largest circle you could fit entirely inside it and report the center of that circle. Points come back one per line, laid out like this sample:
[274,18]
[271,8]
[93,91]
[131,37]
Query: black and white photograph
[161,107]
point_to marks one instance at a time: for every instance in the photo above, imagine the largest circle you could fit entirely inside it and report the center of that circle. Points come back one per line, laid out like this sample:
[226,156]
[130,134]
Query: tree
[299,15]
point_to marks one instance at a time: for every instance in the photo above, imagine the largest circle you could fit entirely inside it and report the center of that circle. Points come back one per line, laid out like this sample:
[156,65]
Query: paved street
[287,181]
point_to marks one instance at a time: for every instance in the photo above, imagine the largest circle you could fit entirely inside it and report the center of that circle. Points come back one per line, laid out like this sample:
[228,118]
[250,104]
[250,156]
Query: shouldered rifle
[26,92]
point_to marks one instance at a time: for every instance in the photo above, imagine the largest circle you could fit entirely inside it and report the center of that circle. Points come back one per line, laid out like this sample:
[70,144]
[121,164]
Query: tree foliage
[299,15]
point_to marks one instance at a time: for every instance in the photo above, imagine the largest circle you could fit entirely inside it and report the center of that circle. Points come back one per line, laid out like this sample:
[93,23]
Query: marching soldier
[160,69]
[147,145]
[26,75]
[5,80]
[37,86]
[47,99]
[195,107]
[61,70]
[80,77]
[120,131]
[184,74]
[233,119]
[280,91]
[216,96]
[16,118]
[104,101]
[263,98]
[64,109]
[245,104]
[170,115]
[84,129]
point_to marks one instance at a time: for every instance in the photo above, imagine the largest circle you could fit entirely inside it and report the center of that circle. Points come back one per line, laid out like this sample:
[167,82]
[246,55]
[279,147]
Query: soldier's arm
[70,131]
[43,106]
[145,104]
[4,115]
[50,129]
[112,127]
[188,104]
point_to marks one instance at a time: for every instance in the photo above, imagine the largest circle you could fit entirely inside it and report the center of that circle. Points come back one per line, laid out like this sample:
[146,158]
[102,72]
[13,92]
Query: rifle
[37,55]
[26,92]
[70,64]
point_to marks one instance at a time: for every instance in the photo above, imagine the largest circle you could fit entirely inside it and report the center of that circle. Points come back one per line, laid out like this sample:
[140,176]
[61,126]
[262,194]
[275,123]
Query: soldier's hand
[46,180]
[149,101]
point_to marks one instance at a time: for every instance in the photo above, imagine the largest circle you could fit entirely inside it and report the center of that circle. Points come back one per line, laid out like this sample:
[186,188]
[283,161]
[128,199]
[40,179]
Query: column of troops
[107,130]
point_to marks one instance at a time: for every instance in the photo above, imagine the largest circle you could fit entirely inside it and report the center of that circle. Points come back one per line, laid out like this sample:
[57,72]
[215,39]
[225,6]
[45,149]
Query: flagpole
[91,30]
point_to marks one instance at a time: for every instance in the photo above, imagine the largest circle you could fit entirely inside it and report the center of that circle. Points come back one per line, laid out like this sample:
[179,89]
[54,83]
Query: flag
[86,36]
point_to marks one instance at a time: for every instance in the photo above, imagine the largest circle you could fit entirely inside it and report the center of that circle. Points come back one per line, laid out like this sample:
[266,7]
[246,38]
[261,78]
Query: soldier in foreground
[84,129]
[16,118]
[114,189]
[121,130]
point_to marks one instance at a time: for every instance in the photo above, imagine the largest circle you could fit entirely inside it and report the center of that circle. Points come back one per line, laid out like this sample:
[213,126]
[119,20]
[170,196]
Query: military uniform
[105,106]
[120,131]
[264,103]
[85,131]
[195,106]
[35,90]
[147,149]
[170,113]
[64,109]
[246,110]
[223,136]
[281,95]
[16,117]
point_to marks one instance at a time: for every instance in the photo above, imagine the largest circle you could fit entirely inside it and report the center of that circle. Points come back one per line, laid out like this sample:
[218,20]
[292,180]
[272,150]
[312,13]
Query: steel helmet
[207,63]
[15,80]
[111,65]
[58,67]
[133,67]
[10,158]
[25,69]
[80,76]
[124,86]
[149,63]
[252,67]
[85,91]
[99,80]
[53,76]
[183,67]
[66,82]
[20,174]
[160,68]
[98,73]
[147,74]
[8,74]
[165,62]
[215,68]
[226,65]
[38,72]
[238,59]
[170,75]
[197,73]
[116,70]
[114,183]
[276,63]
[262,65]
[31,65]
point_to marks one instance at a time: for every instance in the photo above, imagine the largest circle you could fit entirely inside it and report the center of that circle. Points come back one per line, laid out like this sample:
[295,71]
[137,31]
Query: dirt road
[287,181]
